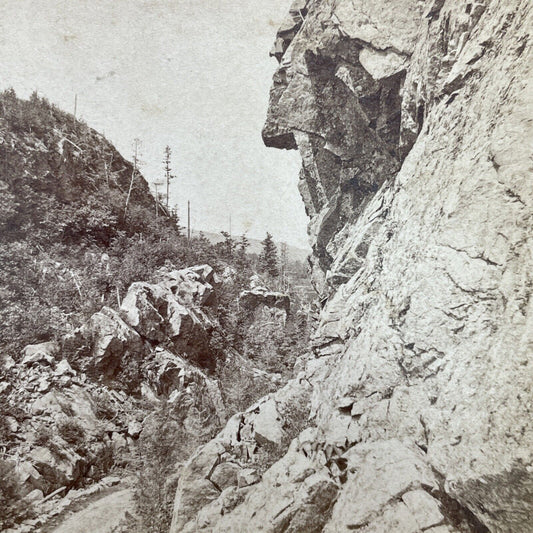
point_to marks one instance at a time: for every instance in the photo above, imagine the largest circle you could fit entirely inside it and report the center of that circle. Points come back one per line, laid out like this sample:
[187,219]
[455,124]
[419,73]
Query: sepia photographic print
[266,266]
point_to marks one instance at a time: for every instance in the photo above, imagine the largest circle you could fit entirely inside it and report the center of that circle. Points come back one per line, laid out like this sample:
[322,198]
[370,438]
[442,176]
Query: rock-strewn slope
[74,409]
[413,120]
[72,399]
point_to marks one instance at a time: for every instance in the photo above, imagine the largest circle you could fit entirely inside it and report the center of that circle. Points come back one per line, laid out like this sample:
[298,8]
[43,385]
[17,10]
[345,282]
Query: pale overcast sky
[189,73]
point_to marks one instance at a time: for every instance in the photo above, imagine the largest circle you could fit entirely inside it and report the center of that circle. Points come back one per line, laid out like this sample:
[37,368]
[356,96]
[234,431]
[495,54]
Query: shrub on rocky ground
[104,460]
[161,445]
[239,388]
[71,432]
[12,508]
[104,407]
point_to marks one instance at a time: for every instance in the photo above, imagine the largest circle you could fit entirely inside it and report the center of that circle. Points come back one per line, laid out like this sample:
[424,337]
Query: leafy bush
[104,460]
[71,432]
[43,436]
[12,509]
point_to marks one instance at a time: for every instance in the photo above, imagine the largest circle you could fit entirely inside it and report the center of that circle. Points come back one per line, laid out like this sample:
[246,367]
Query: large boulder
[58,464]
[28,476]
[145,308]
[194,286]
[173,310]
[74,403]
[189,329]
[42,353]
[267,423]
[173,377]
[265,308]
[99,346]
[261,296]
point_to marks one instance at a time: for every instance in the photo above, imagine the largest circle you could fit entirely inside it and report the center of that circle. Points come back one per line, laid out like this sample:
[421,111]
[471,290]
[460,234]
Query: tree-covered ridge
[68,244]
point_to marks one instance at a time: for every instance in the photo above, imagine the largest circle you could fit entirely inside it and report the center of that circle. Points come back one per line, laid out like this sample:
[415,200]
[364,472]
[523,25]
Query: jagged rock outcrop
[412,120]
[336,96]
[175,309]
[264,305]
[71,414]
[262,297]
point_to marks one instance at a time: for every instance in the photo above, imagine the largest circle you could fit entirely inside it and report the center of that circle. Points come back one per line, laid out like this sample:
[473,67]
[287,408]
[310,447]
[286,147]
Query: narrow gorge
[156,378]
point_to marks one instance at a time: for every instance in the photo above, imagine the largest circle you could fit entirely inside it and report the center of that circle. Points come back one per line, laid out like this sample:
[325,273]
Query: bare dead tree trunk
[135,162]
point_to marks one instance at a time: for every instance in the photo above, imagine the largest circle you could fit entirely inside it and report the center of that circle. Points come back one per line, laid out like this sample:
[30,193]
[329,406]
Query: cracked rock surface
[413,120]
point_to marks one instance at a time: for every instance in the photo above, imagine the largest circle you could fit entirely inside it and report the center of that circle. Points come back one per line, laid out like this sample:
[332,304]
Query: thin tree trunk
[129,192]
[135,161]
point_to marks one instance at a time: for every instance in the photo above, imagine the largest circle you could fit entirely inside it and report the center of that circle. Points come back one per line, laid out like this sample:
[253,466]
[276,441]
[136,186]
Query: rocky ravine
[413,120]
[80,405]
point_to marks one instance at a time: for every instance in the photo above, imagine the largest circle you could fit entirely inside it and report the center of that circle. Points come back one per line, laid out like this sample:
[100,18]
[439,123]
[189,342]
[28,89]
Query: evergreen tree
[160,446]
[228,246]
[268,260]
[242,245]
[242,261]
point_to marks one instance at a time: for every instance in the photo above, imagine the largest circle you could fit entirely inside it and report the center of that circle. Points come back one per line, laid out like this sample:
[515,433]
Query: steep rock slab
[438,333]
[421,217]
[435,320]
[395,489]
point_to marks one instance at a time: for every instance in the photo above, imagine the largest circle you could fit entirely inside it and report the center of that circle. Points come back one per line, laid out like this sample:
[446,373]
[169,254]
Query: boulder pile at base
[80,404]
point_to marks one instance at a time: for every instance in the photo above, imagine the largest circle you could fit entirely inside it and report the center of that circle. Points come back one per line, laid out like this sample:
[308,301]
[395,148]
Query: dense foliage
[162,443]
[68,246]
[12,508]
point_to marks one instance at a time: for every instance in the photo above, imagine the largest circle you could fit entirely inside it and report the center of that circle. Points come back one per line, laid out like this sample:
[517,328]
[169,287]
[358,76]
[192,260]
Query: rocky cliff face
[413,120]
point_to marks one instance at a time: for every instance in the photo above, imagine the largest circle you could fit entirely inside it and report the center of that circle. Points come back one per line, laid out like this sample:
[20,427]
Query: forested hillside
[68,243]
[112,321]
